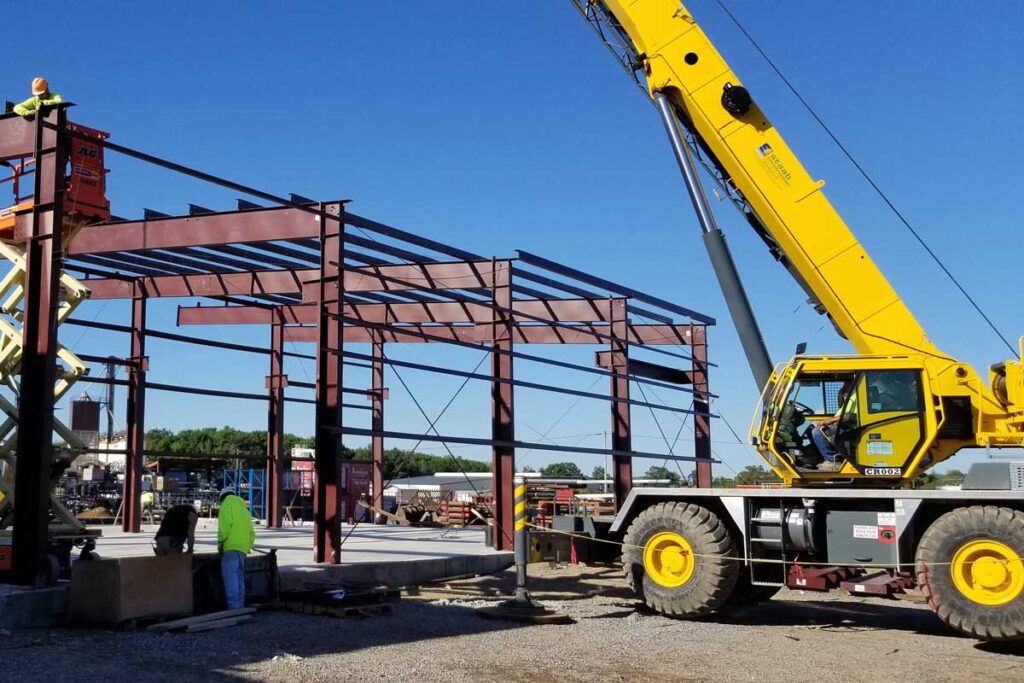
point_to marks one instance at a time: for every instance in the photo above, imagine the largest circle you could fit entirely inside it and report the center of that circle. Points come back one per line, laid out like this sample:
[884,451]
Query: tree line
[228,441]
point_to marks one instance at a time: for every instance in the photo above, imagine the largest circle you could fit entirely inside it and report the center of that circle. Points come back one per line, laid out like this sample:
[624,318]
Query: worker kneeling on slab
[177,529]
[235,536]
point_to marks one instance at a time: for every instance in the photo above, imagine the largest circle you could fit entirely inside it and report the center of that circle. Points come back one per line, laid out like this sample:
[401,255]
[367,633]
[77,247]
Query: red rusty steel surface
[304,280]
[276,383]
[702,408]
[622,466]
[203,284]
[252,225]
[416,276]
[377,425]
[135,426]
[503,457]
[42,231]
[17,137]
[649,335]
[555,310]
[327,464]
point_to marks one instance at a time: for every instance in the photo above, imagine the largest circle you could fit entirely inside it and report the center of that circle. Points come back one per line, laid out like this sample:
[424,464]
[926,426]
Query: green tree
[723,483]
[659,472]
[755,474]
[568,470]
[598,473]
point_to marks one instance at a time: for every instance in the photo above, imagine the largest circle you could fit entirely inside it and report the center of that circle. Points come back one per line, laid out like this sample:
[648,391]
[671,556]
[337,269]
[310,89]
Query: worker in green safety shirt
[235,537]
[41,97]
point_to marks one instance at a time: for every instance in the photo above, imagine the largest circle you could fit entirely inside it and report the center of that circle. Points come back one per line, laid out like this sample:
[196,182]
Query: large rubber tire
[937,562]
[746,593]
[712,579]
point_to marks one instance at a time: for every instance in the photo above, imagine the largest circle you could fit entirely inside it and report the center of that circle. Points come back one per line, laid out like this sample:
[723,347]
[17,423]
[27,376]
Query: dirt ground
[433,634]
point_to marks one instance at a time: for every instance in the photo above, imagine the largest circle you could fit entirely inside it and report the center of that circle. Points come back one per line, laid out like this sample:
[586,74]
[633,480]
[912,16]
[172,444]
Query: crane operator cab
[828,419]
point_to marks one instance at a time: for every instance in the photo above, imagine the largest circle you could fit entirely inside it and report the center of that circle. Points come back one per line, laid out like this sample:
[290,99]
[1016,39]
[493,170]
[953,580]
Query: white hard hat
[227,491]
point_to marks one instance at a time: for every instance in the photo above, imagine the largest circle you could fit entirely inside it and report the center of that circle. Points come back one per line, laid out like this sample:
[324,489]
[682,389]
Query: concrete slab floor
[390,555]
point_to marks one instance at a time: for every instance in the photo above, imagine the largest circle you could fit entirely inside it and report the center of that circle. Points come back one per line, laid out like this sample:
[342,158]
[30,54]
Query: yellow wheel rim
[988,572]
[668,559]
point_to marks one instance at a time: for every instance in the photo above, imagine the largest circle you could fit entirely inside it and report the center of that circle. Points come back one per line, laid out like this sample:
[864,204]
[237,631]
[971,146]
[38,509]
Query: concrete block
[115,590]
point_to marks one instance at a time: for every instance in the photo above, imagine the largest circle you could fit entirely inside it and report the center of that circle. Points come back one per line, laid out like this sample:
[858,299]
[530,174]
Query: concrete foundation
[390,556]
[33,607]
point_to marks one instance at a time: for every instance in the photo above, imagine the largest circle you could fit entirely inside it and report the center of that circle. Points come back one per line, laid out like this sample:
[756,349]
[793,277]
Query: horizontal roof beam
[445,312]
[652,335]
[399,277]
[231,227]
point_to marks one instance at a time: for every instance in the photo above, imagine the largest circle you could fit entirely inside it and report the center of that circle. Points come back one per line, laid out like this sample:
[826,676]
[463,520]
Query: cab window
[890,391]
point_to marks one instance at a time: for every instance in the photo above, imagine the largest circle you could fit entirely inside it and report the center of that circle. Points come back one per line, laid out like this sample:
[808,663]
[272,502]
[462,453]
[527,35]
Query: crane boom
[799,222]
[944,405]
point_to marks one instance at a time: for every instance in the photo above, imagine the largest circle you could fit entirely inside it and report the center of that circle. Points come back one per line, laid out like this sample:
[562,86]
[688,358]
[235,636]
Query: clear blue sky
[497,126]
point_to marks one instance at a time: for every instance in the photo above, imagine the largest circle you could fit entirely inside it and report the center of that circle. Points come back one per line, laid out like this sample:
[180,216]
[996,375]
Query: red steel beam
[554,310]
[135,428]
[17,137]
[41,230]
[503,457]
[701,409]
[377,425]
[327,463]
[622,465]
[276,383]
[251,225]
[423,276]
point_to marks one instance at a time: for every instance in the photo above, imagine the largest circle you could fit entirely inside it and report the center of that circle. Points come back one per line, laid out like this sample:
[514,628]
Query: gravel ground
[434,635]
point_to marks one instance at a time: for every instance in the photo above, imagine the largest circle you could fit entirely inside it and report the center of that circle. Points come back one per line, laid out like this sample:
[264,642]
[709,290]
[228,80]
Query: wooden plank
[212,625]
[212,616]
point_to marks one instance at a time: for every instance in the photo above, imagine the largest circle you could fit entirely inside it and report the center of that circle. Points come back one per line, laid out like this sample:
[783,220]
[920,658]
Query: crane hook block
[736,99]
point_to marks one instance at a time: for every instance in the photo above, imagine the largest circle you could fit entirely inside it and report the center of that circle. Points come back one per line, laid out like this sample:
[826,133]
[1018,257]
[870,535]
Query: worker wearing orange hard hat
[41,97]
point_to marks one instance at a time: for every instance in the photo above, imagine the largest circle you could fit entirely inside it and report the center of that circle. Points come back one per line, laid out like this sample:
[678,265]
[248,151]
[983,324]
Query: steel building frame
[314,272]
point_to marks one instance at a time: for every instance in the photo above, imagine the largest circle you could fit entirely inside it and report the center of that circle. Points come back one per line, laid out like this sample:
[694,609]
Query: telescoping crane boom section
[902,404]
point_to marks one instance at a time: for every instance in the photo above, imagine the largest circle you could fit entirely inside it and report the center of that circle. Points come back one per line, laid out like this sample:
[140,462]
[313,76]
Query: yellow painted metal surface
[668,559]
[680,61]
[987,572]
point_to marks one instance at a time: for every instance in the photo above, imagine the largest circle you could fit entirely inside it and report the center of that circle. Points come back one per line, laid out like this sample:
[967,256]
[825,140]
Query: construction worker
[41,97]
[177,529]
[235,537]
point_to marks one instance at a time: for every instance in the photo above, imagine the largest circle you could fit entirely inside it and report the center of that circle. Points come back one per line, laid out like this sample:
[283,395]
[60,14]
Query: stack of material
[457,513]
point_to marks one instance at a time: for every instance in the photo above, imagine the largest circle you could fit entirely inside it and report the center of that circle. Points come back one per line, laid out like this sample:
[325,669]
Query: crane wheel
[969,565]
[746,593]
[679,559]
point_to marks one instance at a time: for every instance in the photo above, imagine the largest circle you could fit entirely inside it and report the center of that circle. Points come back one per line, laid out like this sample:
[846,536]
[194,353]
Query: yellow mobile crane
[846,518]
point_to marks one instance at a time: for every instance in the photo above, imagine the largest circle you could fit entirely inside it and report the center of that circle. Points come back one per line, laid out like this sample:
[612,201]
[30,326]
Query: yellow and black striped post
[521,607]
[521,546]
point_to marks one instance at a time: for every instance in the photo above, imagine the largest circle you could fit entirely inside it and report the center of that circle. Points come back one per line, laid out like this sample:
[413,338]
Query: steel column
[622,465]
[135,421]
[276,383]
[42,233]
[377,440]
[327,464]
[701,407]
[502,413]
